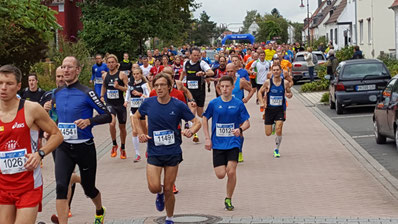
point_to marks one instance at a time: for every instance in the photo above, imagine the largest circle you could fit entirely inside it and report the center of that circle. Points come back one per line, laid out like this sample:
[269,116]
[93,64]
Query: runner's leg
[231,172]
[153,174]
[7,214]
[27,215]
[170,175]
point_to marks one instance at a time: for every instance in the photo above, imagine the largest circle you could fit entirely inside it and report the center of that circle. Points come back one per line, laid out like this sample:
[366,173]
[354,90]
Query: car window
[320,57]
[300,58]
[394,94]
[338,69]
[356,71]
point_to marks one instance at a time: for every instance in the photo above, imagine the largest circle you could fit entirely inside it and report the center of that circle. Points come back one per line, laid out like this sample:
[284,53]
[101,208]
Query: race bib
[275,100]
[224,130]
[112,94]
[68,130]
[12,162]
[98,80]
[193,84]
[165,137]
[136,102]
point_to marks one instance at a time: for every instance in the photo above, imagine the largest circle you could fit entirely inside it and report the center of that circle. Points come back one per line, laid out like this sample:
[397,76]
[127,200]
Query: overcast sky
[234,11]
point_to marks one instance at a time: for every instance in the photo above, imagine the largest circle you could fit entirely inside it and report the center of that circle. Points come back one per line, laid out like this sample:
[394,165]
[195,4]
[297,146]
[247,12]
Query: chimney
[319,3]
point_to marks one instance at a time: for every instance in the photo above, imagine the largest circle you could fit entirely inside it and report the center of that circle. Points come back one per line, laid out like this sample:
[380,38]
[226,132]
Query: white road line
[353,116]
[362,136]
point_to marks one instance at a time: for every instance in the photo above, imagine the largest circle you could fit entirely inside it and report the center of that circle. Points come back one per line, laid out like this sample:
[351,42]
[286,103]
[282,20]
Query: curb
[384,177]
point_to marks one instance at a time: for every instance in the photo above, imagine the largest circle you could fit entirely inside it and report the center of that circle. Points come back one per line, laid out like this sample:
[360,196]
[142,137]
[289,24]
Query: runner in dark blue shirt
[164,139]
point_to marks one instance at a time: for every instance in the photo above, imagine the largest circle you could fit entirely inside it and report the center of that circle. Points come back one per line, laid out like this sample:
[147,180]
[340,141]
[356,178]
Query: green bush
[325,98]
[319,85]
[345,53]
[46,70]
[391,63]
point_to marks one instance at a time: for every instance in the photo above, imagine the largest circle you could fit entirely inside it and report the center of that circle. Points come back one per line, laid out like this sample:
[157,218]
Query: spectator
[308,57]
[357,53]
[332,63]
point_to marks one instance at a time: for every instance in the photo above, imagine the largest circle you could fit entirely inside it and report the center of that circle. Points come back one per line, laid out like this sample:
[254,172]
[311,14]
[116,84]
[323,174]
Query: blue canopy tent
[247,36]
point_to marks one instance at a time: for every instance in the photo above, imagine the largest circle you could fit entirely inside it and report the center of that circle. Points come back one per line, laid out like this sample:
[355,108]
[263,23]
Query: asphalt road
[357,122]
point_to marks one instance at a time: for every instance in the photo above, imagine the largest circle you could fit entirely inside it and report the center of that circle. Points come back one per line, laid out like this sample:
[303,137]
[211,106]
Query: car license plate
[366,87]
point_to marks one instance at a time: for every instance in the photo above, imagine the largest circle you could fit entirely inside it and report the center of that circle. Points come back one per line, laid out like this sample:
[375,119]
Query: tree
[251,16]
[272,28]
[275,13]
[298,28]
[124,25]
[26,28]
[203,30]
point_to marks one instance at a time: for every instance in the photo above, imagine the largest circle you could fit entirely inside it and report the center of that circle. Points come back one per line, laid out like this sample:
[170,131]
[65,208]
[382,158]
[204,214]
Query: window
[331,35]
[369,31]
[335,35]
[359,71]
[361,31]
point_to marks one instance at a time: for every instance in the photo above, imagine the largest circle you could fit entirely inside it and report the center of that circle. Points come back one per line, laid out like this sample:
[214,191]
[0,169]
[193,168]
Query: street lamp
[308,19]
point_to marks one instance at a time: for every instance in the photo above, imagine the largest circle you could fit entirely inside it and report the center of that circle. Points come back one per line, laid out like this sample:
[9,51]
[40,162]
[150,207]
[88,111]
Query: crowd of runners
[164,93]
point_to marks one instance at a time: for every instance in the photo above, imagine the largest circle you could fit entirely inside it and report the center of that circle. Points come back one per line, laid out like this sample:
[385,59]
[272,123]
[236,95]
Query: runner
[115,84]
[196,71]
[156,69]
[219,72]
[75,111]
[146,67]
[32,92]
[275,91]
[229,120]
[126,65]
[260,69]
[240,84]
[138,90]
[248,69]
[21,182]
[97,70]
[164,140]
[151,60]
[46,102]
[239,68]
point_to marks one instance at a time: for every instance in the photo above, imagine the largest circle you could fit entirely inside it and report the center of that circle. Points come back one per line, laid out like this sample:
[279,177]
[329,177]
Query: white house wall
[348,15]
[382,27]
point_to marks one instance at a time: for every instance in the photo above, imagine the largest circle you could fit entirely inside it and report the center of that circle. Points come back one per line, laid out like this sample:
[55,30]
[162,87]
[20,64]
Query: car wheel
[332,105]
[396,139]
[339,107]
[380,139]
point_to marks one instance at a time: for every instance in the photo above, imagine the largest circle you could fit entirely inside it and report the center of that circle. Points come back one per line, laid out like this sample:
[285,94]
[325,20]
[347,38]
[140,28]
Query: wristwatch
[191,100]
[41,153]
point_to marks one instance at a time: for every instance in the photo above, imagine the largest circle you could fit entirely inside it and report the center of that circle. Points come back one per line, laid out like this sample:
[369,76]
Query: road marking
[352,116]
[362,136]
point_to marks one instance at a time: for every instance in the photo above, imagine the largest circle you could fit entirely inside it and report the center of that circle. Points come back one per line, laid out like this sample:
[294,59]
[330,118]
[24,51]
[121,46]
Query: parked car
[357,82]
[385,113]
[299,65]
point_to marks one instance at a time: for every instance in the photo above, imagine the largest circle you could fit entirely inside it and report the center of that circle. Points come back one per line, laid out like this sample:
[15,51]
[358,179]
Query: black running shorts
[274,114]
[119,111]
[221,157]
[167,160]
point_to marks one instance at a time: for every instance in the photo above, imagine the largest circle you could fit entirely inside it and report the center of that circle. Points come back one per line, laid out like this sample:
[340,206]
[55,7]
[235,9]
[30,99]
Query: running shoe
[99,219]
[175,190]
[195,138]
[123,154]
[54,217]
[276,153]
[273,129]
[160,202]
[240,159]
[114,151]
[69,214]
[137,158]
[169,222]
[186,126]
[228,204]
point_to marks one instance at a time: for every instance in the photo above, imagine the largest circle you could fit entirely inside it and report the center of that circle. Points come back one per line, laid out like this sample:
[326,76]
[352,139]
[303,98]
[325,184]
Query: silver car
[299,65]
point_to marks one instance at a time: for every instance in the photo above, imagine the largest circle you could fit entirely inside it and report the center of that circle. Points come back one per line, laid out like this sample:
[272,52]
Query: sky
[234,11]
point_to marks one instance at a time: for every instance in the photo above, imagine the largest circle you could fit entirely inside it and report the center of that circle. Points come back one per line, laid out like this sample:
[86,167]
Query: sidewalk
[316,180]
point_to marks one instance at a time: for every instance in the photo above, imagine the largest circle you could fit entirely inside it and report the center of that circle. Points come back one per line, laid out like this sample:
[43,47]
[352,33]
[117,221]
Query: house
[316,22]
[253,29]
[341,26]
[68,17]
[290,34]
[375,27]
[394,7]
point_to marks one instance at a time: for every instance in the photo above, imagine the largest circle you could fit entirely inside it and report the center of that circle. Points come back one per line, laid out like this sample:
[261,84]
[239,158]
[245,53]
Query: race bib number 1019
[12,162]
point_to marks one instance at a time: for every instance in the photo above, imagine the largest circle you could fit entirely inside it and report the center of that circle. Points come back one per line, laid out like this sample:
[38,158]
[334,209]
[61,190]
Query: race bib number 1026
[12,162]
